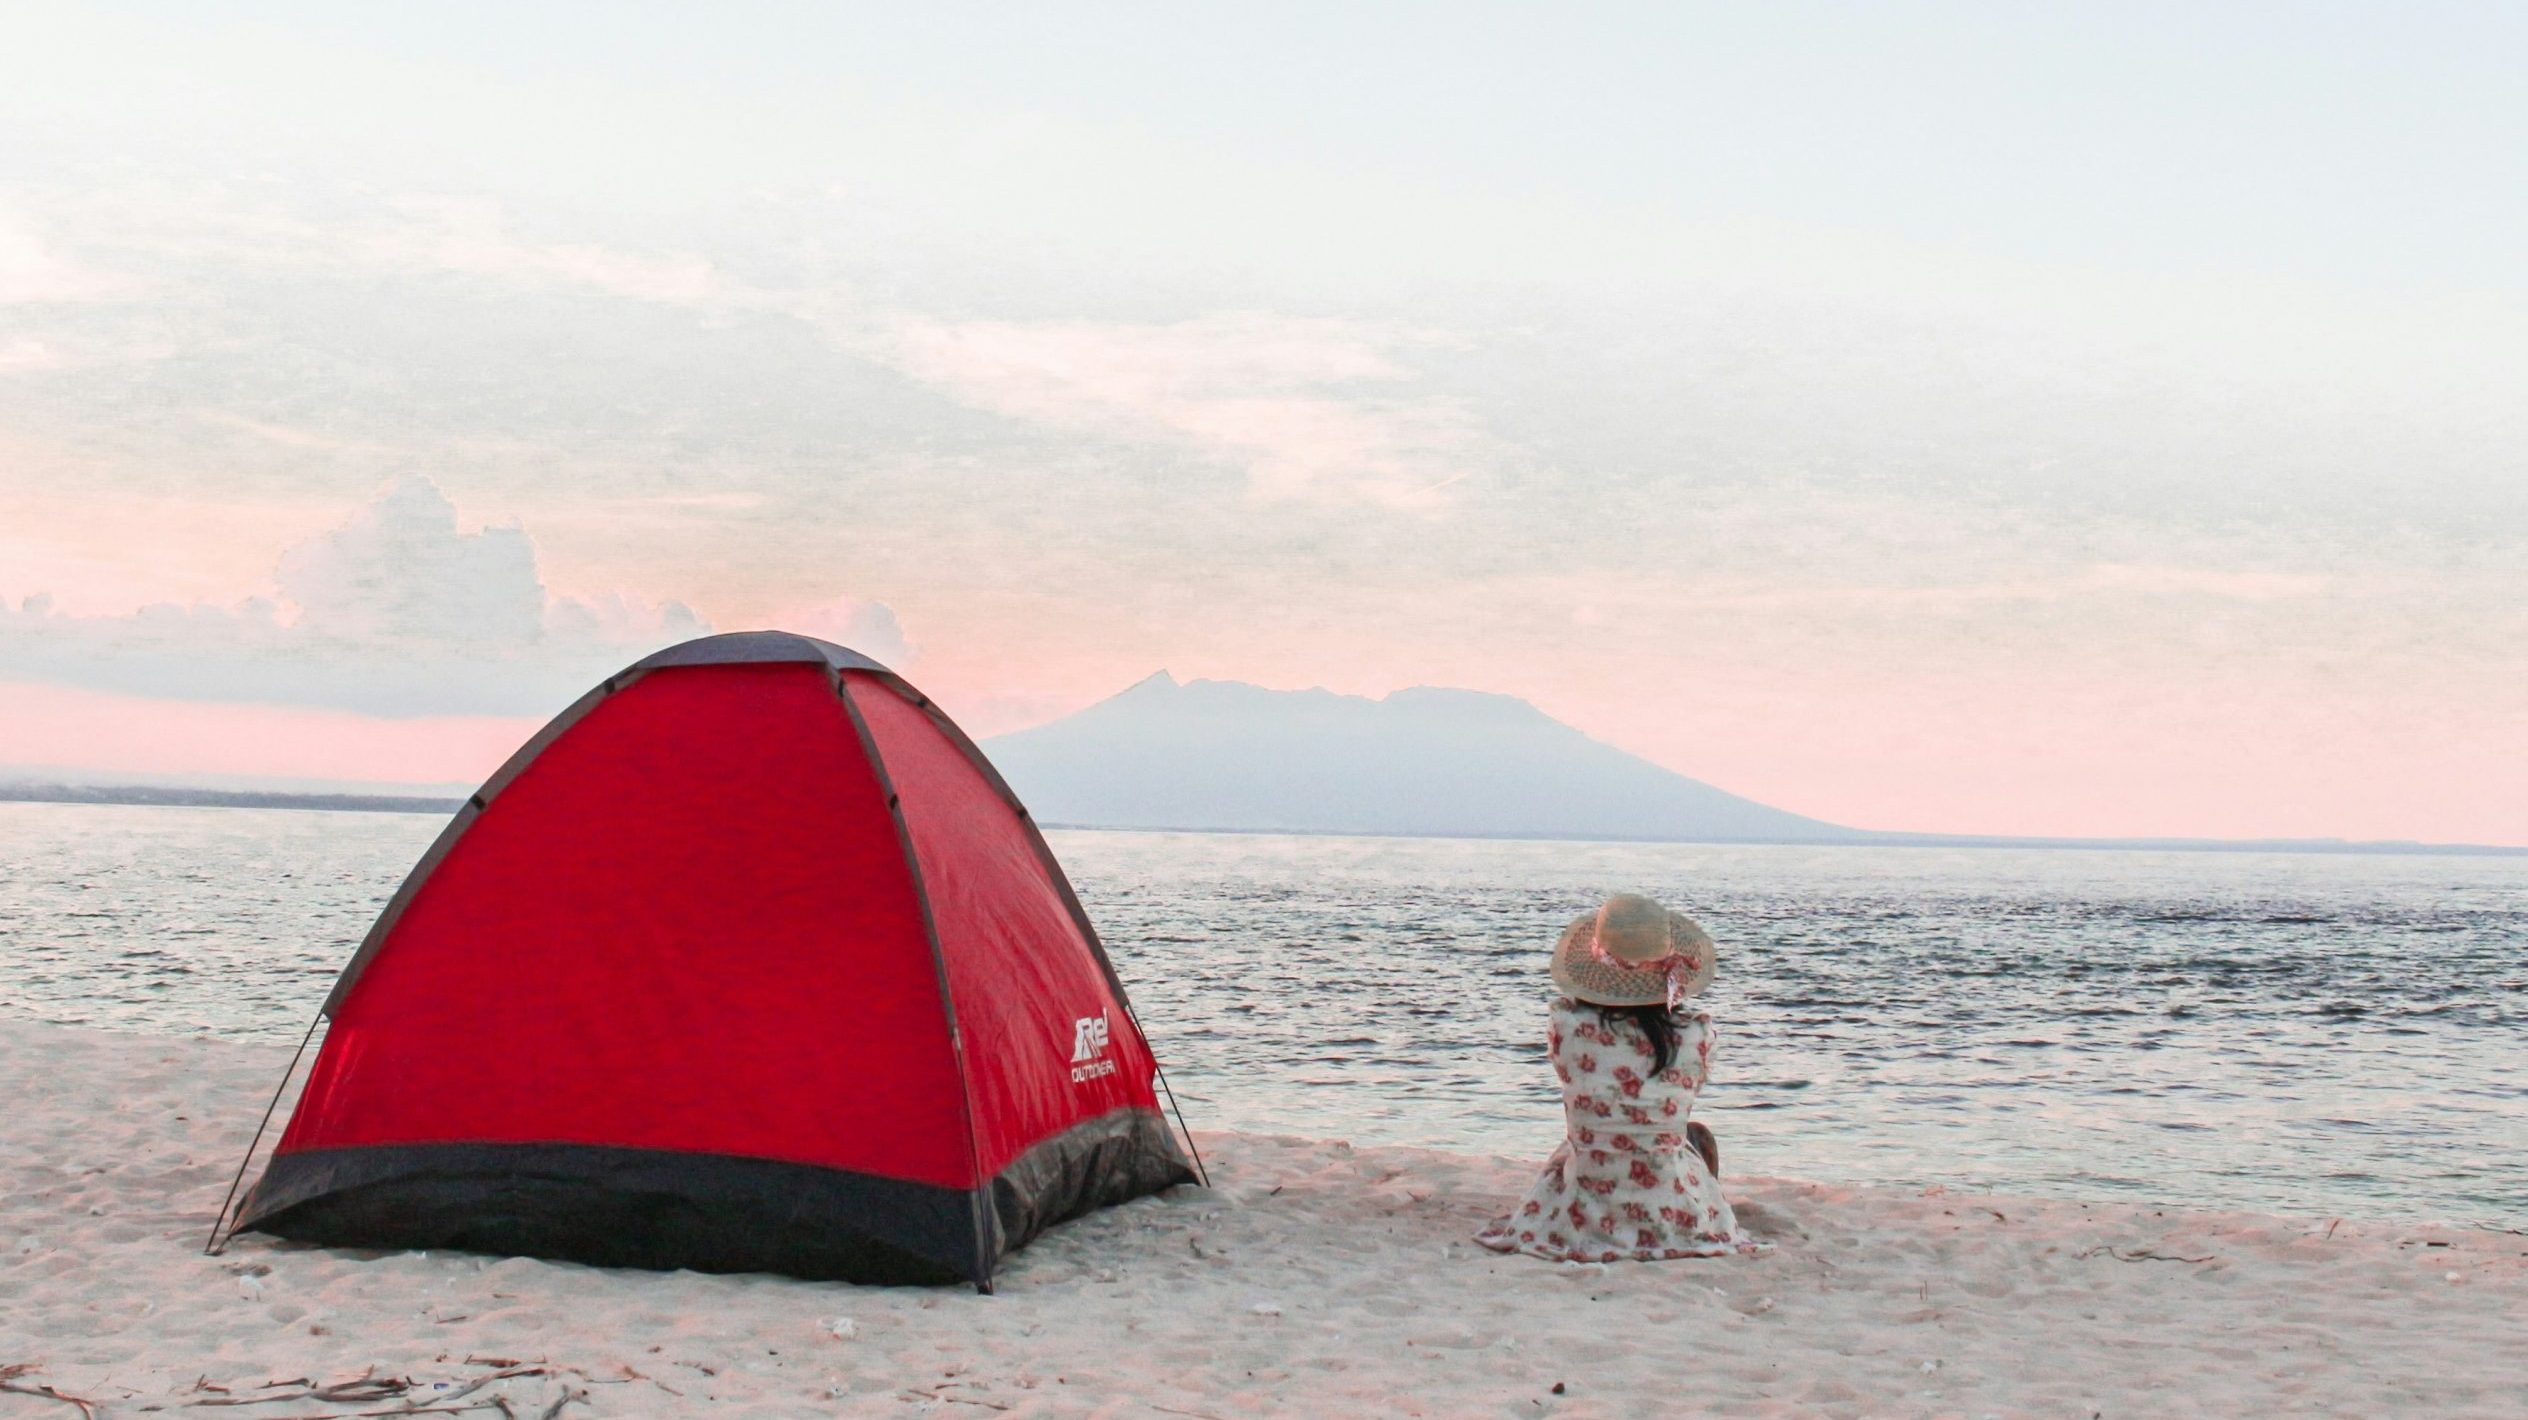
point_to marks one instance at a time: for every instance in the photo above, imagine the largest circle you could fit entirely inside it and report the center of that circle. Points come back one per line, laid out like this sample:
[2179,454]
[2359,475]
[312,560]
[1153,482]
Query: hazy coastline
[173,796]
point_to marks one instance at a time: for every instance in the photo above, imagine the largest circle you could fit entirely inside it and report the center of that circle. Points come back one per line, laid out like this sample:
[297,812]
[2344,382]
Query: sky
[1968,418]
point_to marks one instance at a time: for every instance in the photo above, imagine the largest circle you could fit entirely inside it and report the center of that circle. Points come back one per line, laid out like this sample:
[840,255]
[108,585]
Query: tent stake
[212,1247]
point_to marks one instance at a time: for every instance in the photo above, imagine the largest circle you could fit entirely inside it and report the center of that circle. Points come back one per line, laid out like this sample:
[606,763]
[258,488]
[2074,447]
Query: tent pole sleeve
[212,1247]
[464,818]
[1062,883]
[983,1251]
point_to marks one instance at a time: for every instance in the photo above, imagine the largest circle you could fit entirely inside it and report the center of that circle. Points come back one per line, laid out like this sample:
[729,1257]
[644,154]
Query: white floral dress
[1624,1185]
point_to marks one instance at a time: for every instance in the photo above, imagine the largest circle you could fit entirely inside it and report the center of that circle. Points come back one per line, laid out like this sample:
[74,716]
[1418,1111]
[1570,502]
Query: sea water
[2312,1034]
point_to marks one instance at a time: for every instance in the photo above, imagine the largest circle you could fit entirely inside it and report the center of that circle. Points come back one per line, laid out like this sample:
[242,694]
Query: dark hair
[1657,1023]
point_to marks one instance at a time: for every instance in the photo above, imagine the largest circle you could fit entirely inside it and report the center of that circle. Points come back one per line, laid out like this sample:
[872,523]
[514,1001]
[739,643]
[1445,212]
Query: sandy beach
[1314,1278]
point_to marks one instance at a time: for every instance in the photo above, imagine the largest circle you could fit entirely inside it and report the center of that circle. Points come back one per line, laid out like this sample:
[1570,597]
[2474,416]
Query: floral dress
[1624,1185]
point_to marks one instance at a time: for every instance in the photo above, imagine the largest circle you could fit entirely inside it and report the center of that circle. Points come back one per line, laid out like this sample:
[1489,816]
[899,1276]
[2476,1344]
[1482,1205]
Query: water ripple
[2326,1034]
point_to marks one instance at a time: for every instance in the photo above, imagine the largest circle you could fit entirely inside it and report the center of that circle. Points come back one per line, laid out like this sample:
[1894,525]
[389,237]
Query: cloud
[22,356]
[400,573]
[31,272]
[286,435]
[473,236]
[1313,410]
[871,628]
[231,232]
[2100,585]
[396,612]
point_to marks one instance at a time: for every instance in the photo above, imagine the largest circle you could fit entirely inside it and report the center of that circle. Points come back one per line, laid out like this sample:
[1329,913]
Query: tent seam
[475,806]
[1070,896]
[984,1255]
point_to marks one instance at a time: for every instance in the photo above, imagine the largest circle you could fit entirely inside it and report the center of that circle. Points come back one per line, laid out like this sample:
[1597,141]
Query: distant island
[1211,756]
[179,796]
[1222,755]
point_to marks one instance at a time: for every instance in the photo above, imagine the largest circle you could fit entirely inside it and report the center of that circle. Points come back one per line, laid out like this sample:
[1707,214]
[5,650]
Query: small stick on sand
[367,1387]
[388,1413]
[9,1382]
[958,1399]
[474,1385]
[445,1403]
[2140,1254]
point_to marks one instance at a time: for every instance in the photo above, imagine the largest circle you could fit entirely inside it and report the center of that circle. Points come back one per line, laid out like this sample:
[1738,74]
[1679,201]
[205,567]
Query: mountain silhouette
[1223,755]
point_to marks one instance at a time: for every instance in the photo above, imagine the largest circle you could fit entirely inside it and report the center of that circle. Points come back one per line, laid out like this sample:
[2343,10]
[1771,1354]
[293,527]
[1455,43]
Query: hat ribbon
[1677,966]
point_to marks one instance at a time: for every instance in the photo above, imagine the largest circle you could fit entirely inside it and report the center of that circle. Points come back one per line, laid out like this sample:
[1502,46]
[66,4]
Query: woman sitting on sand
[1626,1183]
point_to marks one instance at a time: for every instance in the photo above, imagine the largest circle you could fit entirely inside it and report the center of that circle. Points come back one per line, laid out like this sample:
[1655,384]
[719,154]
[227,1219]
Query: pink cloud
[32,271]
[1314,410]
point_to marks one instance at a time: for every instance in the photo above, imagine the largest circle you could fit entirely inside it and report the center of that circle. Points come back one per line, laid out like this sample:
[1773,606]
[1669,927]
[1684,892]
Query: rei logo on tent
[1088,1050]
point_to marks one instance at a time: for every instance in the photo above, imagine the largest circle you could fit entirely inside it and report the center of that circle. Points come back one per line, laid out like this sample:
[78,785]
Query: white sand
[1317,1279]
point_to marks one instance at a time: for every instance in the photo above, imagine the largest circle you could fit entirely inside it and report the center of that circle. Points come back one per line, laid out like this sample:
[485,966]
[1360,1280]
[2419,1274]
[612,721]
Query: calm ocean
[2307,1034]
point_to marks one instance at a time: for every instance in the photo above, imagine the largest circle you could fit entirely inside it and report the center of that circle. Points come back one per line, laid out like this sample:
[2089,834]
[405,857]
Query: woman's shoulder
[1580,1021]
[1567,1008]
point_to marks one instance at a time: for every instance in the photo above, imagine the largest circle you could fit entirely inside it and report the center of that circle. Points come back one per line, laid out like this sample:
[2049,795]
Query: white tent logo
[1088,1049]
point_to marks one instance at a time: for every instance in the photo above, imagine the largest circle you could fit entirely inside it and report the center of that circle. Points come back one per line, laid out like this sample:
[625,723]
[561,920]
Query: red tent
[747,962]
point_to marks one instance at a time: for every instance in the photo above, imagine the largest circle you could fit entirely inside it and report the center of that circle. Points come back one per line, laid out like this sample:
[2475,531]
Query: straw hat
[1632,952]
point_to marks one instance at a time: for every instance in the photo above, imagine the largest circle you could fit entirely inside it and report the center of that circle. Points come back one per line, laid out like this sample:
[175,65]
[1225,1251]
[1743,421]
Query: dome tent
[748,961]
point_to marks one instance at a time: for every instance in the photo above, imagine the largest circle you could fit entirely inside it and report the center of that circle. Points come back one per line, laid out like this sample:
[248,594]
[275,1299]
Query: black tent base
[662,1209]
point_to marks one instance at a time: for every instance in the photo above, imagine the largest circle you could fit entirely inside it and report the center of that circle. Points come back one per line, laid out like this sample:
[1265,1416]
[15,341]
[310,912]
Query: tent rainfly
[747,962]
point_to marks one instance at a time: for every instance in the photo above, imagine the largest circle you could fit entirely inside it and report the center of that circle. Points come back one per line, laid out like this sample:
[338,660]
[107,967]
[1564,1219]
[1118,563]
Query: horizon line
[143,795]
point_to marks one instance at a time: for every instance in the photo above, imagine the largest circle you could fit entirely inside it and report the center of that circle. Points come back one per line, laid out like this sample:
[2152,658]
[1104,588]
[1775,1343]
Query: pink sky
[1979,725]
[2095,770]
[1914,431]
[71,729]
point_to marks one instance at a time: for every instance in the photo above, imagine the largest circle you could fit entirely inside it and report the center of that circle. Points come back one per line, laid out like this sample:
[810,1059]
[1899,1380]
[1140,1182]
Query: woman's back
[1606,1063]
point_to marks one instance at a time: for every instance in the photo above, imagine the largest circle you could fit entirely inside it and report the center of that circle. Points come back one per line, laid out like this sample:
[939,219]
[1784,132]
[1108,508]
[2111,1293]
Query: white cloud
[286,435]
[1314,410]
[617,620]
[400,572]
[396,612]
[871,628]
[32,272]
[2101,585]
[21,356]
[473,236]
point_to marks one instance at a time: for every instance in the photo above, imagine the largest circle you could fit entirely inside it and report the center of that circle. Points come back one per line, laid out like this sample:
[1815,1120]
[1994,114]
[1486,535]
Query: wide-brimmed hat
[1632,952]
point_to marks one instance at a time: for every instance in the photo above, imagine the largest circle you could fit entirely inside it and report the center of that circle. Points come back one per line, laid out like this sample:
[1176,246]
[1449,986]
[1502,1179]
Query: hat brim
[1578,974]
